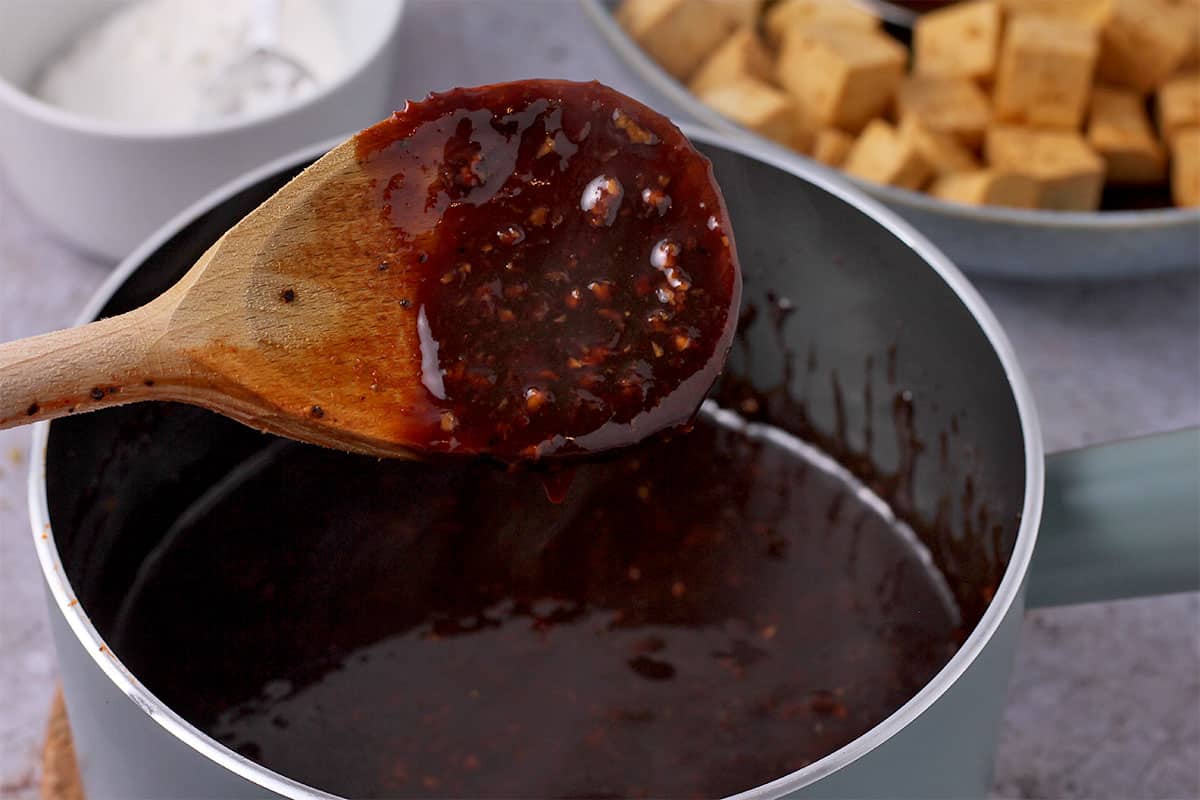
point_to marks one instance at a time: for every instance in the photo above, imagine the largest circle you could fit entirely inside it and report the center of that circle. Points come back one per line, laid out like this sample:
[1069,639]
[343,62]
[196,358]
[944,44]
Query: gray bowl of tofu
[999,142]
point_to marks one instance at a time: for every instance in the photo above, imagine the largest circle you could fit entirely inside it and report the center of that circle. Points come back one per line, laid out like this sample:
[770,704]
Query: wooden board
[60,771]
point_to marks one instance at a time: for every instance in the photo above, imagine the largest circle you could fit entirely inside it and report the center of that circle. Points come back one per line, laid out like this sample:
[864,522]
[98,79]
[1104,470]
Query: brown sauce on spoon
[577,282]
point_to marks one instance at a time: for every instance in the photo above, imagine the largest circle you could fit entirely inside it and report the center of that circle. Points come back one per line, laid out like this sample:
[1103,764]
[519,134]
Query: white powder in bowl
[156,62]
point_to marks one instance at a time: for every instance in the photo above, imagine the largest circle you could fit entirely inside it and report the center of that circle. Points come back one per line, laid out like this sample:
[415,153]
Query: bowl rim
[1007,593]
[25,102]
[645,67]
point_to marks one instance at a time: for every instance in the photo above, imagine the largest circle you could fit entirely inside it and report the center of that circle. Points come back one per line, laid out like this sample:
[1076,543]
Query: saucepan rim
[1006,594]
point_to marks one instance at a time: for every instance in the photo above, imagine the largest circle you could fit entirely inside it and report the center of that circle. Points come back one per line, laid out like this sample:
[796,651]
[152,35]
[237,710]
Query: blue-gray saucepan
[894,361]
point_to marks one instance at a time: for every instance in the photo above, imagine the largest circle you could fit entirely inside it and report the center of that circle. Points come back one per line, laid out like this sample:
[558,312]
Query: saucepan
[891,362]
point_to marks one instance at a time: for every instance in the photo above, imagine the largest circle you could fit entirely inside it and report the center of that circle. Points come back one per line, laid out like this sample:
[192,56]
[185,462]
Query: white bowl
[104,186]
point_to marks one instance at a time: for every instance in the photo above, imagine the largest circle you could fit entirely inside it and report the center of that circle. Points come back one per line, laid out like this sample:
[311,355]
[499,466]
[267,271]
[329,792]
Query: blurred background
[1105,702]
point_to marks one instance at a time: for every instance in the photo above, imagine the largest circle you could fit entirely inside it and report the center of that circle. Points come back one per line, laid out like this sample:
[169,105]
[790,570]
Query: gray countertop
[1105,699]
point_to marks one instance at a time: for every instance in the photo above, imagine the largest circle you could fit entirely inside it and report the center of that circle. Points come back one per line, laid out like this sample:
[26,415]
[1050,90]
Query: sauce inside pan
[701,616]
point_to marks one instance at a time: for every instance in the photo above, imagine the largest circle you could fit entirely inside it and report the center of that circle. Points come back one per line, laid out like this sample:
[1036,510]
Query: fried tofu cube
[831,146]
[959,41]
[1141,44]
[1045,71]
[882,155]
[788,14]
[987,187]
[944,153]
[755,105]
[1068,173]
[1185,167]
[1187,16]
[742,13]
[804,129]
[1119,130]
[1178,104]
[742,55]
[947,105]
[841,76]
[1091,12]
[678,34]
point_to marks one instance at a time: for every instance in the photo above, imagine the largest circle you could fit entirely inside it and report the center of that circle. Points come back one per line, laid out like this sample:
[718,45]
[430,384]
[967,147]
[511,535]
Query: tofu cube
[1185,167]
[1141,44]
[831,146]
[1187,15]
[955,106]
[804,130]
[882,155]
[740,56]
[841,76]
[1119,130]
[788,14]
[755,105]
[1045,71]
[987,187]
[741,13]
[1068,173]
[944,153]
[959,41]
[1091,12]
[678,34]
[1179,104]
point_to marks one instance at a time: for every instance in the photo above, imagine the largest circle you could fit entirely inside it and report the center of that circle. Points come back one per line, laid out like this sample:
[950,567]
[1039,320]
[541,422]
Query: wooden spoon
[527,269]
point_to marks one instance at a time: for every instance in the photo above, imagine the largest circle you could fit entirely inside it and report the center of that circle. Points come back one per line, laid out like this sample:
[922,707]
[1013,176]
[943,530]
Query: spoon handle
[106,363]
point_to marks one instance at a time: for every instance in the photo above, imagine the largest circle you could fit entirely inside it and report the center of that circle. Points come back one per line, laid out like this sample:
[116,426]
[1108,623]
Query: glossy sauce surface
[576,284]
[702,616]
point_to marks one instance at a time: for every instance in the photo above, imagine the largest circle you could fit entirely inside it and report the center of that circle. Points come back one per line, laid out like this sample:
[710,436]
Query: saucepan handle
[1120,520]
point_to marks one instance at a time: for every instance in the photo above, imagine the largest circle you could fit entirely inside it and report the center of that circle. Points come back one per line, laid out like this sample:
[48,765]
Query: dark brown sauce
[701,616]
[577,284]
[973,558]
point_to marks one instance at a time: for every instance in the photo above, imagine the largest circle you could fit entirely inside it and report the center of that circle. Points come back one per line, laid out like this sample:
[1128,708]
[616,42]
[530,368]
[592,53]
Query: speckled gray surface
[1105,699]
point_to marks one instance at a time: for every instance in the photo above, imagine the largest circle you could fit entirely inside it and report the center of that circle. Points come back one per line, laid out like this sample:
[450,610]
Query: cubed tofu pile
[1023,103]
